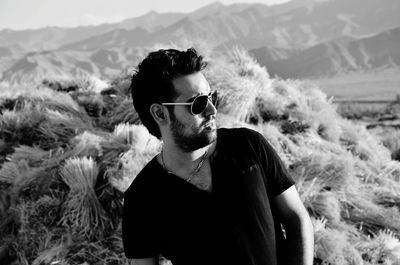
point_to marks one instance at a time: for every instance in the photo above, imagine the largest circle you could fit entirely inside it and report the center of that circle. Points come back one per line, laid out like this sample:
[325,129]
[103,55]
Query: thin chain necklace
[203,159]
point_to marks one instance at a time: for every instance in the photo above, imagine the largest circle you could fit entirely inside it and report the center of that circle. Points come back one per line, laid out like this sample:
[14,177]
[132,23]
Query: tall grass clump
[89,92]
[121,113]
[240,81]
[390,138]
[86,144]
[142,146]
[82,211]
[333,246]
[383,248]
[79,82]
[42,117]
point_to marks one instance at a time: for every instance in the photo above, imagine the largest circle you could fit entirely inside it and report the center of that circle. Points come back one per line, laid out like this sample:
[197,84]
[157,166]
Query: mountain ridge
[320,34]
[335,57]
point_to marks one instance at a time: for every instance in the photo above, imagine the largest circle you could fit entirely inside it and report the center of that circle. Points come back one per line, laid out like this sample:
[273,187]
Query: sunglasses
[199,103]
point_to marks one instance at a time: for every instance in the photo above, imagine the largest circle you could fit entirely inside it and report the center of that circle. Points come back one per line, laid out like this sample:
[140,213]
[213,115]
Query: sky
[32,14]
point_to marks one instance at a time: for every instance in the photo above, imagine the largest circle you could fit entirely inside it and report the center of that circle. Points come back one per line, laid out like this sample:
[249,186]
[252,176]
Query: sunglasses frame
[209,99]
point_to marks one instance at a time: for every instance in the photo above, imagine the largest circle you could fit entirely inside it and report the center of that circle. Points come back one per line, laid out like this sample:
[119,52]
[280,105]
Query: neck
[180,157]
[180,162]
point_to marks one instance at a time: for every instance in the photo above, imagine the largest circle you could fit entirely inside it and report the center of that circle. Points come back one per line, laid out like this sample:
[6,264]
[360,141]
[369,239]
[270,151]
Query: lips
[209,124]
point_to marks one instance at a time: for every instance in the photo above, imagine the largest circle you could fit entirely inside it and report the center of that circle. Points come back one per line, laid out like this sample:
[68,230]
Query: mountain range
[297,39]
[379,51]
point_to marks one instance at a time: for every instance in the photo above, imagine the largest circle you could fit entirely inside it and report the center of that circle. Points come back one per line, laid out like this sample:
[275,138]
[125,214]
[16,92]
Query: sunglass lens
[199,104]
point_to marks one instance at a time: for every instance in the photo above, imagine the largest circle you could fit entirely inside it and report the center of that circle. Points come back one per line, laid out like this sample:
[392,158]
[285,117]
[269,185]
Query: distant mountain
[9,55]
[335,57]
[296,25]
[136,37]
[217,8]
[296,39]
[151,21]
[271,57]
[48,38]
[5,51]
[327,59]
[321,21]
[215,22]
[238,24]
[210,9]
[105,63]
[51,38]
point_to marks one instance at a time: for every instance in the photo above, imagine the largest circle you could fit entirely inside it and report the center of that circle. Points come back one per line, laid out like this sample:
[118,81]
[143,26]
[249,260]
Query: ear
[159,114]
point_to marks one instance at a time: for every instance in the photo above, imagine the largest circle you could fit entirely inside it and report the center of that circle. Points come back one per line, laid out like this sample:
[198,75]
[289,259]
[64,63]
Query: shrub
[82,211]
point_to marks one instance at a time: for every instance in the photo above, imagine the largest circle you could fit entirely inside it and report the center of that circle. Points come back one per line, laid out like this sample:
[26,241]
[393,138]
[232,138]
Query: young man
[211,196]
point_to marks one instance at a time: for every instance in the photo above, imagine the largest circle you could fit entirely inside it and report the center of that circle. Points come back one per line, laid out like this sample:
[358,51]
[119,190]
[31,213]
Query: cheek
[187,118]
[193,123]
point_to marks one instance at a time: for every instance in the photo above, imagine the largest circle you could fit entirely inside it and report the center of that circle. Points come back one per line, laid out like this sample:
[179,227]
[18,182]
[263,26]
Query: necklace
[203,159]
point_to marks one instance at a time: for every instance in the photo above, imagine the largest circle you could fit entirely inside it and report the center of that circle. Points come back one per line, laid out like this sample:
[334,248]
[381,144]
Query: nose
[210,109]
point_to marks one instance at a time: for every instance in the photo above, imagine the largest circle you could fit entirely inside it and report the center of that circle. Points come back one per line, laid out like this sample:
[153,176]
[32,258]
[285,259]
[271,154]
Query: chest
[228,190]
[196,220]
[202,180]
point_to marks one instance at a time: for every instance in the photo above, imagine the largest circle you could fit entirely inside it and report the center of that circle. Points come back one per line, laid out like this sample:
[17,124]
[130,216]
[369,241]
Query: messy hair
[152,80]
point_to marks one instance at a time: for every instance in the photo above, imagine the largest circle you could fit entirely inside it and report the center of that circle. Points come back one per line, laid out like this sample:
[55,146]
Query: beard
[196,139]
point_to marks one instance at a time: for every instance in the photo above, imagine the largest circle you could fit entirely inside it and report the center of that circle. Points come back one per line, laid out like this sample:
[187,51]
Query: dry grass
[42,94]
[80,82]
[87,144]
[362,111]
[363,145]
[333,246]
[239,81]
[390,138]
[383,248]
[123,112]
[142,147]
[372,217]
[82,211]
[63,171]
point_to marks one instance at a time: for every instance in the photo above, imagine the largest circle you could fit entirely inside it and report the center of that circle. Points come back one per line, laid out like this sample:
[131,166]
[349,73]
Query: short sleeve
[139,222]
[277,175]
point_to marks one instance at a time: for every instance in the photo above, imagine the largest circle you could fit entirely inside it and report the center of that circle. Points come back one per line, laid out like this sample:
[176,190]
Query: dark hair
[152,80]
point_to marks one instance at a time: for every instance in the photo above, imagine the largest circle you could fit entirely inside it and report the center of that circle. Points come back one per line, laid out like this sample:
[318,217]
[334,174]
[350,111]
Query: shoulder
[242,135]
[242,139]
[239,133]
[146,182]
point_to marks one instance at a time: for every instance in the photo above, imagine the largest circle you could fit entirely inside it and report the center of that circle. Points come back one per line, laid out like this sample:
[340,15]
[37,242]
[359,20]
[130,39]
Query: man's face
[191,132]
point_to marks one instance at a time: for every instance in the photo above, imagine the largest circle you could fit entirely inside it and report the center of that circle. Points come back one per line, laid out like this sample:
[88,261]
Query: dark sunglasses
[199,103]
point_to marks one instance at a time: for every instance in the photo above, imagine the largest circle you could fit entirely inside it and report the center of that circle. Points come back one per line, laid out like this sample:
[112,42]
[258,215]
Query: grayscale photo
[201,132]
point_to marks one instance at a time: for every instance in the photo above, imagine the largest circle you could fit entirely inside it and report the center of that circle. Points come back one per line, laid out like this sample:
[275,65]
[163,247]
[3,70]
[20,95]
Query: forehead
[191,85]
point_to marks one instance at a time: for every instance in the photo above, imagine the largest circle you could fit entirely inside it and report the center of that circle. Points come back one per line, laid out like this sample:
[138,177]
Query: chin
[196,139]
[212,135]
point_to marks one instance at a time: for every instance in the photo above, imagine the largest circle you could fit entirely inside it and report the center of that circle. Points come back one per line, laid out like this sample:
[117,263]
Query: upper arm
[277,176]
[281,188]
[289,207]
[298,227]
[146,261]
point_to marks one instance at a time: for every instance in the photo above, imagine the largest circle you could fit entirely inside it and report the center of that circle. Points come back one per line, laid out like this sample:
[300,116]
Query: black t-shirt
[232,224]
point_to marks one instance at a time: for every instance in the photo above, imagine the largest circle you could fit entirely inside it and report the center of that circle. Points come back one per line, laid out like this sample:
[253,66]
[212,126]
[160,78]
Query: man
[211,196]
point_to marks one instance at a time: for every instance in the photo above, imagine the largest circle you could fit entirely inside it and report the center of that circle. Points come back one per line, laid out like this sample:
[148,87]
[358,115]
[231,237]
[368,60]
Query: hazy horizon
[44,13]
